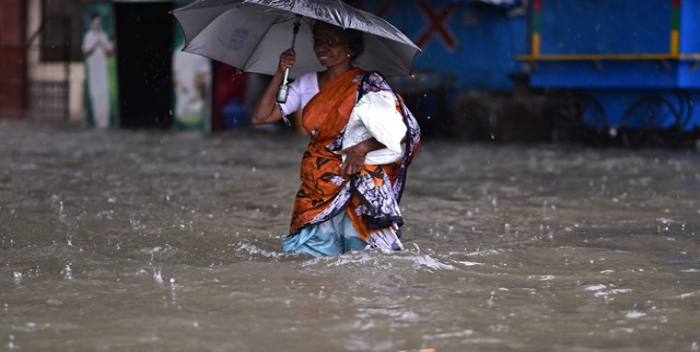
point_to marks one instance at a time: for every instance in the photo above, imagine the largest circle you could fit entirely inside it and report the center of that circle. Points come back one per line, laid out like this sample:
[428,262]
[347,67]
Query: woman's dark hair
[352,37]
[355,43]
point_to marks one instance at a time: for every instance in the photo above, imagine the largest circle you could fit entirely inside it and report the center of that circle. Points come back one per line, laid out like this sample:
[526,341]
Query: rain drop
[157,276]
[17,276]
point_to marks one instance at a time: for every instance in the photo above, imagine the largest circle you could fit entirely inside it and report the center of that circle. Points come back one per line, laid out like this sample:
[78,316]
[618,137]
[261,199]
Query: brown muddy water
[160,241]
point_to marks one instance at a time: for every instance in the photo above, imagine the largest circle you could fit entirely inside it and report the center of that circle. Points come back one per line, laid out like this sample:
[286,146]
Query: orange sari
[324,192]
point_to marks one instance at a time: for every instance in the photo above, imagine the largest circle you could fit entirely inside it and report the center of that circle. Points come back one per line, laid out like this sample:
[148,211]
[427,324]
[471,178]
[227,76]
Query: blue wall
[690,27]
[485,41]
[605,26]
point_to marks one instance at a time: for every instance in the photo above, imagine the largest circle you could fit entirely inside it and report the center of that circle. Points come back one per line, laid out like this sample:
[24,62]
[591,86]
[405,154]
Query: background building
[467,46]
[497,70]
[40,68]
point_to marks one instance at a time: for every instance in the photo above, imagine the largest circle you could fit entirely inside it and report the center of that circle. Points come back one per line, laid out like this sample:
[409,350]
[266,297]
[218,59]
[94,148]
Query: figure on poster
[191,77]
[97,48]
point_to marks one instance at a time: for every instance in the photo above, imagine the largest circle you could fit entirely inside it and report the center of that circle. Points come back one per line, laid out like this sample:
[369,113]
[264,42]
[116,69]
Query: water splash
[11,343]
[251,251]
[173,298]
[157,275]
[17,276]
[67,272]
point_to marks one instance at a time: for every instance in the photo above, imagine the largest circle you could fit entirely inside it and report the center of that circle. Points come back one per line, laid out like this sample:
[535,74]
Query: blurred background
[622,73]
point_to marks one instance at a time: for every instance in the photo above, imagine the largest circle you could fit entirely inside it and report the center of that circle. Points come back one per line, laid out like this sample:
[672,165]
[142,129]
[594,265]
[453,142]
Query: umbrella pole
[283,90]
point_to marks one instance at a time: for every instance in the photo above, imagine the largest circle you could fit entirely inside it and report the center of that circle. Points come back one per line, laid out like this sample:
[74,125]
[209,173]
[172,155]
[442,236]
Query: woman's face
[329,46]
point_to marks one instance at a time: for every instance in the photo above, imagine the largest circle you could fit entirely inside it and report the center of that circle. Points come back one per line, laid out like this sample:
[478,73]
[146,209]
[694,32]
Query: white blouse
[300,92]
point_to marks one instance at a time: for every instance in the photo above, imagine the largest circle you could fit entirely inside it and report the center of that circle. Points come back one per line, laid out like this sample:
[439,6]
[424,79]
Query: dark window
[61,30]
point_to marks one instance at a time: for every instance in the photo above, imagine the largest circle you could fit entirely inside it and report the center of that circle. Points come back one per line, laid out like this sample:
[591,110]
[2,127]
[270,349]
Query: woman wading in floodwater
[362,140]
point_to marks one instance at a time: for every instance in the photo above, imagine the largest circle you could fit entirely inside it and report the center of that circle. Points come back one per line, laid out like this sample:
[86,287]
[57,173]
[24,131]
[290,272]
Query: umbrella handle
[283,90]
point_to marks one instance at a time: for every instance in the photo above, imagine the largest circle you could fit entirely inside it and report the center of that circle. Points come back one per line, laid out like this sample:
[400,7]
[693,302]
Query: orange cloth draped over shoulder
[324,118]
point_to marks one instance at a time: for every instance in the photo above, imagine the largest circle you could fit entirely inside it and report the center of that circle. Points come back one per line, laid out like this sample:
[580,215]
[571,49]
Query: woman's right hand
[287,60]
[267,110]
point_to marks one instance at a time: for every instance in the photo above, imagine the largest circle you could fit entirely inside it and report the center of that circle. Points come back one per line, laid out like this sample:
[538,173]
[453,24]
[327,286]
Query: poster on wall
[192,81]
[99,53]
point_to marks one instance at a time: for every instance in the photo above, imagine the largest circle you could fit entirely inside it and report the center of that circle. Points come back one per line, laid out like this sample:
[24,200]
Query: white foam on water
[254,252]
[624,330]
[405,316]
[449,335]
[620,290]
[635,314]
[383,259]
[688,295]
[432,263]
[604,291]
[596,288]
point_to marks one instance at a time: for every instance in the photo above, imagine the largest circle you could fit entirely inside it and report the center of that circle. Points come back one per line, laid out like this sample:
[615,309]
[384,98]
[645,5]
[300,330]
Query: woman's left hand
[355,156]
[354,159]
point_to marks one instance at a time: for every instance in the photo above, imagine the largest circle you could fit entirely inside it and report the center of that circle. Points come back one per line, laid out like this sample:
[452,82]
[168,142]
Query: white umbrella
[251,34]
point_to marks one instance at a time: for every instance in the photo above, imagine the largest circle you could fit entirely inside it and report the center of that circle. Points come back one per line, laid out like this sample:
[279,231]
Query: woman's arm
[267,110]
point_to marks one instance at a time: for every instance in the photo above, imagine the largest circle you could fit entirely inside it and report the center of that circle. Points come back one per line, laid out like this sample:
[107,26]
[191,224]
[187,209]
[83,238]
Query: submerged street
[162,241]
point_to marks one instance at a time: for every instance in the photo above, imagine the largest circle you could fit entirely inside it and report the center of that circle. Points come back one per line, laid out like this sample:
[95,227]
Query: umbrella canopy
[251,34]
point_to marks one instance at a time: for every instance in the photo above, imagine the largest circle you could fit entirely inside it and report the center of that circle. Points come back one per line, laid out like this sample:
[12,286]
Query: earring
[348,55]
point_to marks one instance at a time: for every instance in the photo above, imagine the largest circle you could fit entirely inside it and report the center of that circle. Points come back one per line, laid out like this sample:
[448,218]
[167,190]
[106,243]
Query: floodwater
[158,241]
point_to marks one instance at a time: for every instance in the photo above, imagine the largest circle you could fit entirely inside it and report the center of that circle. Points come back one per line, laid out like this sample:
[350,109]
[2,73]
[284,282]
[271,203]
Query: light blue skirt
[332,237]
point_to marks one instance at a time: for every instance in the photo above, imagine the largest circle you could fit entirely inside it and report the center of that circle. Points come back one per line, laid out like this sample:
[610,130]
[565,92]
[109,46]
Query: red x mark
[381,11]
[437,24]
